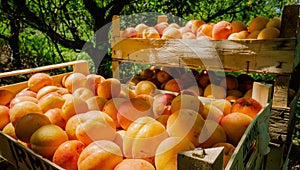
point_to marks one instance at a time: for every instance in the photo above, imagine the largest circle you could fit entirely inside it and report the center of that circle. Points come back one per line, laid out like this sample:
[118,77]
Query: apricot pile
[259,27]
[89,122]
[204,83]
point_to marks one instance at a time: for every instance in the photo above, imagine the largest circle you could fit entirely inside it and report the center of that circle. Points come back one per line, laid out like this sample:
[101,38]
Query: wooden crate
[23,158]
[13,151]
[278,57]
[272,56]
[251,149]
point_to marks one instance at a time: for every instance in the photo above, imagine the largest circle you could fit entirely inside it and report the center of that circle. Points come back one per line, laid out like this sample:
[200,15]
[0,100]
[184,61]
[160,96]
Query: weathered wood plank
[266,56]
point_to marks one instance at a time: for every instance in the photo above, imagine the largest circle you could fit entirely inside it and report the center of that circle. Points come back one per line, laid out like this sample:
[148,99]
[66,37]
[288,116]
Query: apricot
[160,27]
[96,103]
[26,92]
[134,164]
[229,82]
[9,130]
[145,87]
[235,125]
[55,117]
[101,154]
[205,30]
[131,110]
[160,102]
[222,104]
[215,91]
[248,106]
[228,151]
[83,93]
[45,140]
[126,93]
[119,138]
[171,33]
[235,93]
[21,109]
[188,35]
[184,30]
[67,154]
[109,88]
[186,123]
[268,33]
[71,125]
[129,32]
[92,82]
[173,85]
[211,112]
[211,134]
[72,106]
[194,25]
[50,101]
[274,22]
[139,29]
[5,97]
[163,76]
[111,108]
[236,36]
[92,130]
[150,32]
[19,99]
[77,119]
[38,81]
[142,138]
[45,90]
[238,26]
[167,151]
[221,30]
[28,124]
[258,23]
[185,101]
[253,35]
[74,81]
[4,116]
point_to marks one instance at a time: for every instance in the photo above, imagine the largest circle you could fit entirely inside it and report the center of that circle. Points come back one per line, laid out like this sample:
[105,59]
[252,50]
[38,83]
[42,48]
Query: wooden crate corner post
[201,159]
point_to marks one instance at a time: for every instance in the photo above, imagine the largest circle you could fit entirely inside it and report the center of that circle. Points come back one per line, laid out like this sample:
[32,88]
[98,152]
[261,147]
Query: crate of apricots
[259,45]
[79,120]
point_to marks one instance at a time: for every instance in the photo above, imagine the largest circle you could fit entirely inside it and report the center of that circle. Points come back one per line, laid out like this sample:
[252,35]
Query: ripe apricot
[186,123]
[19,99]
[221,30]
[131,110]
[145,87]
[45,140]
[4,116]
[72,106]
[55,117]
[167,151]
[235,124]
[74,81]
[23,108]
[5,97]
[109,88]
[150,32]
[205,30]
[258,23]
[238,26]
[28,124]
[268,33]
[134,164]
[274,22]
[67,154]
[39,80]
[101,154]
